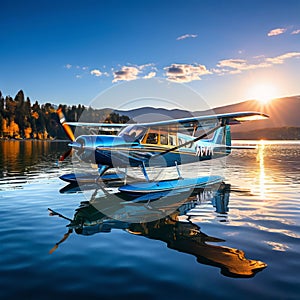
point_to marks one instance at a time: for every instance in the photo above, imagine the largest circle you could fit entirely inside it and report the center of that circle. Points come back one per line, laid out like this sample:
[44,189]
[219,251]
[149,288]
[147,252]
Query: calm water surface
[241,240]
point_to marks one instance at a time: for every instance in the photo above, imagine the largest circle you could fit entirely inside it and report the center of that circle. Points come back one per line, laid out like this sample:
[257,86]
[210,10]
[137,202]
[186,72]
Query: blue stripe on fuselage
[114,151]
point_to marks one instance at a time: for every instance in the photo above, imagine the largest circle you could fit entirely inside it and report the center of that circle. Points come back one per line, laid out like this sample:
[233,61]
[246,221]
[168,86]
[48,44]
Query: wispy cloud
[277,31]
[185,72]
[281,58]
[186,36]
[142,67]
[68,66]
[297,31]
[150,75]
[235,66]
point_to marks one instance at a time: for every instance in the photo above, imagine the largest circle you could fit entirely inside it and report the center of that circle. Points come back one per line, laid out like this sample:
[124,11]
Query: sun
[263,93]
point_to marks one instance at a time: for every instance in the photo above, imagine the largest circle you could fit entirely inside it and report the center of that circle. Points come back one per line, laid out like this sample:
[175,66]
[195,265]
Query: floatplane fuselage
[151,147]
[158,144]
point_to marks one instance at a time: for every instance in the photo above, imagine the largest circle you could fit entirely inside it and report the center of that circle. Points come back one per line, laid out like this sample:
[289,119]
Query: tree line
[22,119]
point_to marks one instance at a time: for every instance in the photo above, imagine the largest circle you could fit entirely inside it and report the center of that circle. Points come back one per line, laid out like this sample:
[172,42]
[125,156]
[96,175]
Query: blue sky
[227,51]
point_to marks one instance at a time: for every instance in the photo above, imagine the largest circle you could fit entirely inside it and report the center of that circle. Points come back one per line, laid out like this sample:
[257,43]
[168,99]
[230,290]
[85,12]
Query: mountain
[151,114]
[283,113]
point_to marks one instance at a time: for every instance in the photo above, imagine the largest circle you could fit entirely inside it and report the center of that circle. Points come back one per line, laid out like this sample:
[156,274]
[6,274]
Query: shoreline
[233,140]
[33,140]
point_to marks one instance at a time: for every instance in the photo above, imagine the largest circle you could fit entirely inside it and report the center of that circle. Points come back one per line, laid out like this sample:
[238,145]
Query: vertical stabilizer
[222,136]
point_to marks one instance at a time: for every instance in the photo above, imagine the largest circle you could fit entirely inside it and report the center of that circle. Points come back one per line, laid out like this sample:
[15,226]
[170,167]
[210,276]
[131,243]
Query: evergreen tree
[1,113]
[19,116]
[1,104]
[1,120]
[10,106]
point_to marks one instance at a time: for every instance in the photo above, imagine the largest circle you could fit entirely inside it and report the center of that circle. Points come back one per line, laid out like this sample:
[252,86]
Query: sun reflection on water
[262,175]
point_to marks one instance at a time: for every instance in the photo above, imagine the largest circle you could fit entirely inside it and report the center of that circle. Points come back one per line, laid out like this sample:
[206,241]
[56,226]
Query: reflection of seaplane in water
[158,144]
[176,229]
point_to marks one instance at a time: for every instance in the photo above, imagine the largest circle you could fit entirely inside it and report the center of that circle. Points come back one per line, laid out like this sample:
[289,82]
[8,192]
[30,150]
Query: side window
[172,140]
[180,141]
[152,138]
[189,145]
[183,141]
[164,139]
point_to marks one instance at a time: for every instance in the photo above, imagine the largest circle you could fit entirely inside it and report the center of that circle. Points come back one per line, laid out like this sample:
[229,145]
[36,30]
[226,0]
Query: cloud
[297,31]
[150,75]
[96,72]
[185,36]
[235,66]
[68,66]
[126,74]
[141,67]
[233,63]
[277,31]
[281,58]
[185,72]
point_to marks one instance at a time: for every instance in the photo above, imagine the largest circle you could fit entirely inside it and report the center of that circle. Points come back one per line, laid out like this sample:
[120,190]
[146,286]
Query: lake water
[241,240]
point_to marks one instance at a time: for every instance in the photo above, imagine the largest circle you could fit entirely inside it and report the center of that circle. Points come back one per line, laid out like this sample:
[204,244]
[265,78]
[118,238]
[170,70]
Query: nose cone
[86,147]
[75,145]
[91,142]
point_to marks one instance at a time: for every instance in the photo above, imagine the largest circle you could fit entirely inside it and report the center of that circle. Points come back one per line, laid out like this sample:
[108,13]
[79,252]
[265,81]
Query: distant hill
[281,133]
[151,114]
[283,112]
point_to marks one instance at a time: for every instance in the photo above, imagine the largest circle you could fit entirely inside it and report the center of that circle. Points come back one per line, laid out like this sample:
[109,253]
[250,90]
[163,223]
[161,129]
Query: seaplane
[162,144]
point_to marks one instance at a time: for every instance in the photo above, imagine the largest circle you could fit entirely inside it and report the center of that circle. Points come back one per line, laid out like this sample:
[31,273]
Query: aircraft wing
[190,122]
[209,120]
[99,126]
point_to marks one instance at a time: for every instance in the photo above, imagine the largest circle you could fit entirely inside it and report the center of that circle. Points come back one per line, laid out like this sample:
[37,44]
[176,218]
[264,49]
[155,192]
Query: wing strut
[143,168]
[190,142]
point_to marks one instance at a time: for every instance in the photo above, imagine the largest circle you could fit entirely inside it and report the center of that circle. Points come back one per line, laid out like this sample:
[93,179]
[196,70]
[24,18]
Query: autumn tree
[21,118]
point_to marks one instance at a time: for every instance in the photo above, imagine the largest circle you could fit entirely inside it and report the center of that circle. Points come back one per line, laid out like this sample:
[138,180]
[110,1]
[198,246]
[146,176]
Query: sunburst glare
[263,93]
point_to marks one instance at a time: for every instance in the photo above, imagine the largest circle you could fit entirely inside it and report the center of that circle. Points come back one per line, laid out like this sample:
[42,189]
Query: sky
[226,51]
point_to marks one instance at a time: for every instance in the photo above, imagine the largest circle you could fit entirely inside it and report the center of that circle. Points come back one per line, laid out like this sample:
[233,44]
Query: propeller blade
[66,235]
[65,126]
[53,249]
[66,154]
[54,213]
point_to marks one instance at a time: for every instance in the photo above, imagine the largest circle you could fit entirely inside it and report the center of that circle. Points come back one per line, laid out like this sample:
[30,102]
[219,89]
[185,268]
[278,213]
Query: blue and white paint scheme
[158,144]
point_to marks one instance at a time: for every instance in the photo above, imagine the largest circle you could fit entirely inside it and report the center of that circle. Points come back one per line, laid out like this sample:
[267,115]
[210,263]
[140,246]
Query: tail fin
[222,136]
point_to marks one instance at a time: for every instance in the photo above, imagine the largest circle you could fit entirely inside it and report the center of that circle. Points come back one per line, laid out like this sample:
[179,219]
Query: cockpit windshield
[133,133]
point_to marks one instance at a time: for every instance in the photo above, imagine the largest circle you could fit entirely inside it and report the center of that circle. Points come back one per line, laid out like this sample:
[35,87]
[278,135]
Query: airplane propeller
[65,126]
[68,132]
[65,155]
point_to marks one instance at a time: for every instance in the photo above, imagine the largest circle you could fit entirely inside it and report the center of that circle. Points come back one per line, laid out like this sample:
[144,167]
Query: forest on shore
[22,119]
